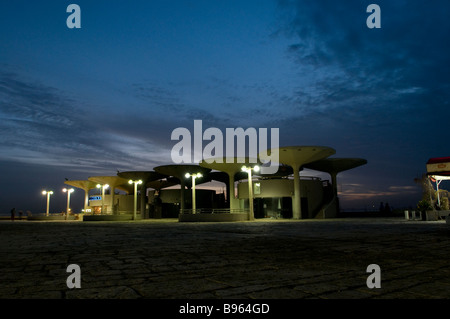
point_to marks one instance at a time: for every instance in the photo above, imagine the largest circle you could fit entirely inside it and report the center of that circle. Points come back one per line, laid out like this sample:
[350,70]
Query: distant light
[70,190]
[256,168]
[187,175]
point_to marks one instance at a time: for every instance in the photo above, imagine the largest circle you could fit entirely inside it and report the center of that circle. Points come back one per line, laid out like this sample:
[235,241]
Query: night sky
[76,103]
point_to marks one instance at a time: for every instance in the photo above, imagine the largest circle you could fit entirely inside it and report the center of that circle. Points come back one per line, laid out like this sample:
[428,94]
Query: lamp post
[250,188]
[103,187]
[68,191]
[194,176]
[48,193]
[135,195]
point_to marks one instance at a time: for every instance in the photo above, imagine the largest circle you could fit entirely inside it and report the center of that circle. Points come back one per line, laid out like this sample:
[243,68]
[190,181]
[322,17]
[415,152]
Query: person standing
[13,213]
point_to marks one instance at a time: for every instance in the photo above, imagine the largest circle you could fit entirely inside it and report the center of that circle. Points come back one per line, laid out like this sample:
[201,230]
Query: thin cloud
[43,125]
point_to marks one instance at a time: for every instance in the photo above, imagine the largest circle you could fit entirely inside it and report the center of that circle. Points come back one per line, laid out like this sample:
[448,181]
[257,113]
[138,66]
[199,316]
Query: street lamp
[250,188]
[194,176]
[48,193]
[103,187]
[135,195]
[68,191]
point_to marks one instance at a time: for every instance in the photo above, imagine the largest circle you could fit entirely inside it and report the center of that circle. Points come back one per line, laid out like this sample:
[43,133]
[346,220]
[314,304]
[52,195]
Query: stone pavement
[264,259]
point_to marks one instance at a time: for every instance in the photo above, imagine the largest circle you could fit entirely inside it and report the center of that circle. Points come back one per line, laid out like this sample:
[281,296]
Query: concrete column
[234,203]
[335,191]
[334,183]
[250,195]
[112,190]
[182,194]
[86,198]
[296,200]
[135,201]
[103,200]
[193,195]
[142,198]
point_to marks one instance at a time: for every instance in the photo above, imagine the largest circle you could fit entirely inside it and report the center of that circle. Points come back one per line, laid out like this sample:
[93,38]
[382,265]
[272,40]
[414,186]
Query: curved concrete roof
[283,170]
[113,182]
[179,171]
[145,176]
[229,165]
[224,177]
[336,165]
[160,184]
[300,155]
[85,185]
[219,176]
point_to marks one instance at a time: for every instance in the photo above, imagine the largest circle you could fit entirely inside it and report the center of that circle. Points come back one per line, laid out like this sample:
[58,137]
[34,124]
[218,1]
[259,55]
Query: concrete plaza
[264,259]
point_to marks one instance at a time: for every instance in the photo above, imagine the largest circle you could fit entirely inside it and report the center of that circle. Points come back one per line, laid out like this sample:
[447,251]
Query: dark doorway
[304,206]
[258,207]
[286,207]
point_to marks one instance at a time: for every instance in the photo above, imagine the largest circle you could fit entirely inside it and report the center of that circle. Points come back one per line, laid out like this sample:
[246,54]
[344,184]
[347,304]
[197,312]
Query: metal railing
[213,211]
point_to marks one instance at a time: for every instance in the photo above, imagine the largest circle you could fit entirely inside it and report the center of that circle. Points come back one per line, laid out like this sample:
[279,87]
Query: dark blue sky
[106,97]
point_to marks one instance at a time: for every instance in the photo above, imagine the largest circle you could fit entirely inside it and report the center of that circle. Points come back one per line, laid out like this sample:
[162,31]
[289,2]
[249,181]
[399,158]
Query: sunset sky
[76,103]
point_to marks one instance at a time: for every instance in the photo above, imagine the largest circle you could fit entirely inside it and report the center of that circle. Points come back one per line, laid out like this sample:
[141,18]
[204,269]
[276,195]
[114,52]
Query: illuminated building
[284,194]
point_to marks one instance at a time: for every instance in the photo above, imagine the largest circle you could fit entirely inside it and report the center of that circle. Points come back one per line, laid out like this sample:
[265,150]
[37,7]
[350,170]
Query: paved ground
[252,260]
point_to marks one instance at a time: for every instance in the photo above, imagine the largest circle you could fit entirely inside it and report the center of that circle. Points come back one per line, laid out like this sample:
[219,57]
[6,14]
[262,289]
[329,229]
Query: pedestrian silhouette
[387,208]
[13,213]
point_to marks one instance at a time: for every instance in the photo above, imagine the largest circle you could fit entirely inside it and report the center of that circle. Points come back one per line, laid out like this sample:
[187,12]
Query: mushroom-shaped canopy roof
[335,165]
[85,185]
[162,183]
[113,182]
[229,165]
[296,156]
[205,178]
[224,178]
[219,176]
[283,170]
[242,175]
[145,176]
[179,171]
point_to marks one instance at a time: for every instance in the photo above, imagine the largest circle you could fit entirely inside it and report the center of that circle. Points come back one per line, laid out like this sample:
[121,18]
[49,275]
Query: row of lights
[138,182]
[102,186]
[65,190]
[250,186]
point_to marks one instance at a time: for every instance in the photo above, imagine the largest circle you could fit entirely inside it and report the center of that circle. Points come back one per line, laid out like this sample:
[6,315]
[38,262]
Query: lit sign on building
[95,198]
